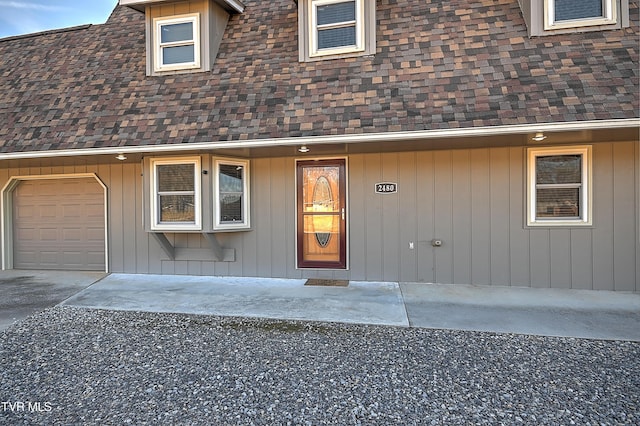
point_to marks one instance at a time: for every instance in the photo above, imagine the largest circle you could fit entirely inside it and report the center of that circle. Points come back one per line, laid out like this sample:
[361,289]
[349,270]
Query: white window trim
[313,30]
[156,225]
[609,18]
[246,223]
[586,199]
[158,65]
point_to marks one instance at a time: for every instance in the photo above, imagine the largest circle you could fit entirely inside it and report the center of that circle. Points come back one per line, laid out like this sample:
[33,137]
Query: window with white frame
[579,13]
[176,194]
[559,186]
[332,29]
[231,194]
[177,42]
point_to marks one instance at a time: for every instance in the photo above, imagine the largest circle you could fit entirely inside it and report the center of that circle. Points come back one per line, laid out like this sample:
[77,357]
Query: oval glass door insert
[323,202]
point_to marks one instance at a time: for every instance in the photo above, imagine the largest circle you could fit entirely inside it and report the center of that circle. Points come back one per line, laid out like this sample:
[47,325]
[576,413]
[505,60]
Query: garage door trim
[7,212]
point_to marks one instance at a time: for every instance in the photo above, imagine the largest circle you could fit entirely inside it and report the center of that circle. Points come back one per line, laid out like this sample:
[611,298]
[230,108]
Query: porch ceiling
[339,146]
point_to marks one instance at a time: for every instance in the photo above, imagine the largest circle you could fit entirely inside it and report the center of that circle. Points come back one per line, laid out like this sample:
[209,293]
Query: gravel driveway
[78,366]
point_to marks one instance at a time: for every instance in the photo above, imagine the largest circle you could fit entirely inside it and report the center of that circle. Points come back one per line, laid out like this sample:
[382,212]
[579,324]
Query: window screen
[176,192]
[177,42]
[566,10]
[172,33]
[558,186]
[336,24]
[231,193]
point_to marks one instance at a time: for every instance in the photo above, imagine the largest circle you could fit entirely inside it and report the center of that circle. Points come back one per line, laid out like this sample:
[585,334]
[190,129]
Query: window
[231,194]
[177,42]
[559,186]
[579,13]
[176,197]
[336,28]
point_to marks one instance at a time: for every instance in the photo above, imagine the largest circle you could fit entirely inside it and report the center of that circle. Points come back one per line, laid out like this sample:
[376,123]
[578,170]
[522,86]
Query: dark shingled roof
[439,65]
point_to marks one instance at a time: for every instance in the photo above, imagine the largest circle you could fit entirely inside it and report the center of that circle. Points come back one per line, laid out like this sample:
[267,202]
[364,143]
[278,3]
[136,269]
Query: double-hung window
[579,13]
[231,194]
[559,186]
[336,27]
[177,42]
[176,196]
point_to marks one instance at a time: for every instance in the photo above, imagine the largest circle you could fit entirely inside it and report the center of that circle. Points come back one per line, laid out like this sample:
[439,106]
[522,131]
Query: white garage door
[59,224]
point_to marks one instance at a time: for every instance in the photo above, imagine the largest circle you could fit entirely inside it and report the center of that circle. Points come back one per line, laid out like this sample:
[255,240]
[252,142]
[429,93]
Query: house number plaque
[386,188]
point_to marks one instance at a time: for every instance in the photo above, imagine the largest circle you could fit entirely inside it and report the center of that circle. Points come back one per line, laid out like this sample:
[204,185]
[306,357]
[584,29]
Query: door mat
[327,283]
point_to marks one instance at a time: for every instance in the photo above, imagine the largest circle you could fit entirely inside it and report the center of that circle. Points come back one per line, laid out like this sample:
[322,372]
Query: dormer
[330,29]
[549,17]
[183,36]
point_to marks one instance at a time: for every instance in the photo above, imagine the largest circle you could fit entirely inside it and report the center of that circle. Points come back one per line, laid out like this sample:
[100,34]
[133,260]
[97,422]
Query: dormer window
[177,42]
[336,28]
[183,36]
[561,14]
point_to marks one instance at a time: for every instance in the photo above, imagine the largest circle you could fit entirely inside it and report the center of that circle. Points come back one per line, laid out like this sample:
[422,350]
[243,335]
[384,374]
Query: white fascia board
[235,5]
[338,139]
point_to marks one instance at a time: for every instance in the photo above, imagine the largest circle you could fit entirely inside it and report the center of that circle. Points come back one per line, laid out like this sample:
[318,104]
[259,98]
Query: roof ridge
[47,32]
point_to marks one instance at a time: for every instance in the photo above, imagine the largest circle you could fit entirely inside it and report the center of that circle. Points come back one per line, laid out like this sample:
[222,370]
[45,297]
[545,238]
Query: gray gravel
[77,366]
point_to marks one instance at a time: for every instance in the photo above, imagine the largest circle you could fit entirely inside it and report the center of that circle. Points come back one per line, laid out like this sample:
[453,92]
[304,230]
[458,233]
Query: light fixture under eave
[303,149]
[539,137]
[121,157]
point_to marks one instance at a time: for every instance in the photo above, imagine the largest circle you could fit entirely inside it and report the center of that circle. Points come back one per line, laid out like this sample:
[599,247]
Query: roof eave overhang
[471,132]
[233,6]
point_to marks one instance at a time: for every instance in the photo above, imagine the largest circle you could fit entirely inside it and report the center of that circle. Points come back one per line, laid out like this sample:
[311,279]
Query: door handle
[343,213]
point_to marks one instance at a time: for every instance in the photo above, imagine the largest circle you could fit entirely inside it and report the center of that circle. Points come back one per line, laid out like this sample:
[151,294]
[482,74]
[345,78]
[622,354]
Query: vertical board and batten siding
[471,199]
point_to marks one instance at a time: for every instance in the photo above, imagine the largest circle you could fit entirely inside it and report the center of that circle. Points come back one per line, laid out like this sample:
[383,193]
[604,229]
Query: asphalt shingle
[438,65]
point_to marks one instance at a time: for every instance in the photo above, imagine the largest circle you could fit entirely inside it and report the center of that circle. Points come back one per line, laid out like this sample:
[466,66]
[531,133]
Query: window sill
[559,224]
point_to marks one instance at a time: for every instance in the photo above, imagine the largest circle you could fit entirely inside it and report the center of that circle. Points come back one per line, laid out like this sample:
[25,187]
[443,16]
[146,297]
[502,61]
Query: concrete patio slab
[547,312]
[368,303]
[27,292]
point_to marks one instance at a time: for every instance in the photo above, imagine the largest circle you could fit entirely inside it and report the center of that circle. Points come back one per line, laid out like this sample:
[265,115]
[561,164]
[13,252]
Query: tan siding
[426,218]
[462,214]
[391,218]
[581,258]
[540,249]
[603,210]
[443,216]
[142,238]
[472,199]
[408,220]
[480,218]
[560,258]
[117,216]
[373,218]
[356,205]
[624,223]
[278,215]
[637,169]
[499,210]
[263,219]
[518,236]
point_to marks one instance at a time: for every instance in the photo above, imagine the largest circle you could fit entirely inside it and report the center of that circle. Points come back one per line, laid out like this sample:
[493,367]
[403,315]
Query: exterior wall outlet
[436,242]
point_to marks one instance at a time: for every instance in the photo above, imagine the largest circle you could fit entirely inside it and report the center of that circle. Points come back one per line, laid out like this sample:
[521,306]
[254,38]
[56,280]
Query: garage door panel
[49,234]
[96,236]
[59,225]
[72,235]
[47,211]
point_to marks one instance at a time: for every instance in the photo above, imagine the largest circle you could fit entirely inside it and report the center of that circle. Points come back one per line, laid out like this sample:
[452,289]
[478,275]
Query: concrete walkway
[23,293]
[566,313]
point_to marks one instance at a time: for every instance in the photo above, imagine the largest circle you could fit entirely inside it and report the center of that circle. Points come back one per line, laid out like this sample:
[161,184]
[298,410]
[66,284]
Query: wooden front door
[322,229]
